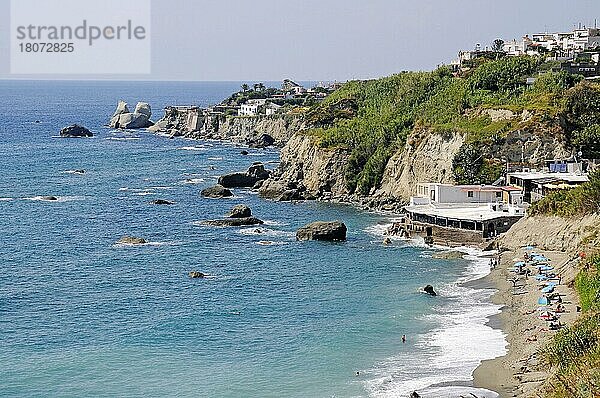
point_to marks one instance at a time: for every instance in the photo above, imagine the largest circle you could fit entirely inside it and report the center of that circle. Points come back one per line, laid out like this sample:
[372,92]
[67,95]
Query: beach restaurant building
[472,213]
[537,184]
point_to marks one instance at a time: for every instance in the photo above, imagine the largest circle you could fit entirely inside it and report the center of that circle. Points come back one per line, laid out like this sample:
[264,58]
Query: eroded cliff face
[554,233]
[307,169]
[197,123]
[426,157]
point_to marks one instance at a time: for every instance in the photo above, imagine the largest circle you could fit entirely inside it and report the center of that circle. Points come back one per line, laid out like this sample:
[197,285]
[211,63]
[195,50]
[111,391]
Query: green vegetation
[575,351]
[374,118]
[579,201]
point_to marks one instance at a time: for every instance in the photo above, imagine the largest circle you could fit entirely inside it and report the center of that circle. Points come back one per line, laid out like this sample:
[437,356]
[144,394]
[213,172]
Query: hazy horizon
[269,40]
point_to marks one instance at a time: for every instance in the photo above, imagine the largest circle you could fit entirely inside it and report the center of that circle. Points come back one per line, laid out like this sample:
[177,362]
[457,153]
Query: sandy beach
[520,373]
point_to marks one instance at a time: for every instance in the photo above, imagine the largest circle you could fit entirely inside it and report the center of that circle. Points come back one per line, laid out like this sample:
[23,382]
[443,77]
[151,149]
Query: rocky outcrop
[131,240]
[307,171]
[196,275]
[256,131]
[75,131]
[239,211]
[138,119]
[49,198]
[217,191]
[448,255]
[323,230]
[255,173]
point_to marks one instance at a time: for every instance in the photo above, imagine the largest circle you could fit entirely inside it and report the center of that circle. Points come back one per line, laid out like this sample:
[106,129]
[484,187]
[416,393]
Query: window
[498,194]
[470,194]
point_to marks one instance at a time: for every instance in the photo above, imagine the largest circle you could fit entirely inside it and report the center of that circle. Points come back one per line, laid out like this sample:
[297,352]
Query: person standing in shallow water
[404,338]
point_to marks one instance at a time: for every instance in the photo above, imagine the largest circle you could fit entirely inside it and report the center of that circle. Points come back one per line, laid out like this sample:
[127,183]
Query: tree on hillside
[498,45]
[245,87]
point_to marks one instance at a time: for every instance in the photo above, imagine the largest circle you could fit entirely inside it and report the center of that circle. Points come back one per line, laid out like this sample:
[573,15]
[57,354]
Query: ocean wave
[192,148]
[261,231]
[6,199]
[271,243]
[151,243]
[193,181]
[74,172]
[122,138]
[214,158]
[458,341]
[144,193]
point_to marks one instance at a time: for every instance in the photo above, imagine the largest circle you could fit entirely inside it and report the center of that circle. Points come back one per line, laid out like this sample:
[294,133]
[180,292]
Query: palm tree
[245,87]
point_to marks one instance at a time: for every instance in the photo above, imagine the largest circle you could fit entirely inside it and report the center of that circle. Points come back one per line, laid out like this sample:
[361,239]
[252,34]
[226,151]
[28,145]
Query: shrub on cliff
[506,74]
[582,200]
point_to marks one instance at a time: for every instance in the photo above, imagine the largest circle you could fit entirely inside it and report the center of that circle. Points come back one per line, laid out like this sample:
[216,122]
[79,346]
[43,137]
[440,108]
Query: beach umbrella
[529,247]
[543,301]
[548,289]
[519,264]
[541,277]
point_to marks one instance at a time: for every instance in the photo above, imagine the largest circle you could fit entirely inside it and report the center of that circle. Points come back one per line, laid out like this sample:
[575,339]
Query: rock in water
[131,240]
[234,180]
[244,152]
[121,108]
[124,119]
[323,230]
[144,109]
[233,222]
[75,131]
[387,241]
[429,290]
[239,211]
[448,255]
[217,191]
[254,174]
[263,141]
[196,274]
[50,198]
[161,202]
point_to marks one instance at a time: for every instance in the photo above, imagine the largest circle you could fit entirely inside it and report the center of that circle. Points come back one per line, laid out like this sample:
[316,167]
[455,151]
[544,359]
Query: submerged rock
[50,198]
[161,202]
[75,131]
[387,241]
[131,240]
[233,222]
[217,191]
[196,274]
[323,230]
[239,211]
[244,152]
[429,290]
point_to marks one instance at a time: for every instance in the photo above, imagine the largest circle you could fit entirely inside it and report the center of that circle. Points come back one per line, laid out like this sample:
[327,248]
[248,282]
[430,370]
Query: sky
[324,40]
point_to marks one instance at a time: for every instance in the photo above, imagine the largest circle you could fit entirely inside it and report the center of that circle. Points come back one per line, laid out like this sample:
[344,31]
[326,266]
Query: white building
[251,108]
[563,44]
[271,108]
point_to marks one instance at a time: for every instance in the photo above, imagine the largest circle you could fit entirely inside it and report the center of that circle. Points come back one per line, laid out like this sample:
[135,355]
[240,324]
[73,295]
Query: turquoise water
[82,316]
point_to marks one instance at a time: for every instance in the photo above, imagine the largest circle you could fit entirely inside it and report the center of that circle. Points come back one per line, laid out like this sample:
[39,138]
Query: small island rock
[429,290]
[75,131]
[323,230]
[217,191]
[161,202]
[239,211]
[233,222]
[131,240]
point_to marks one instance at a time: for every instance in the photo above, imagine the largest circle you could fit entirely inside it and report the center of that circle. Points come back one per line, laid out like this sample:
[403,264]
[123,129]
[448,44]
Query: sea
[81,315]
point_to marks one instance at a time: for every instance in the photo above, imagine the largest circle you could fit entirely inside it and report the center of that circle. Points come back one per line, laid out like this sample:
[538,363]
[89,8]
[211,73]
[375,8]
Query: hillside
[489,114]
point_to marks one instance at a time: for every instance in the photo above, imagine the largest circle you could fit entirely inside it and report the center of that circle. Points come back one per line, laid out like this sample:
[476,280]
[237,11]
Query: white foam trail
[5,199]
[144,193]
[214,158]
[261,231]
[125,245]
[73,172]
[59,199]
[122,138]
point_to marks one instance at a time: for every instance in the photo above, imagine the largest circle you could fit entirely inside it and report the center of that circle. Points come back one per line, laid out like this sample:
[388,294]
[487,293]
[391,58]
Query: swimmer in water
[404,338]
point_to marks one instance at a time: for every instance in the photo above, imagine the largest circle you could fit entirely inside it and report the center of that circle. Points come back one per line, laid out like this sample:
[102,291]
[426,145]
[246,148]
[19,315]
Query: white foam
[192,148]
[5,199]
[144,193]
[122,138]
[73,172]
[214,158]
[194,181]
[457,343]
[261,231]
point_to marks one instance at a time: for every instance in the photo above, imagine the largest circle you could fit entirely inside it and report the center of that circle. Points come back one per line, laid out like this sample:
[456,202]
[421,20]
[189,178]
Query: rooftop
[538,175]
[458,211]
